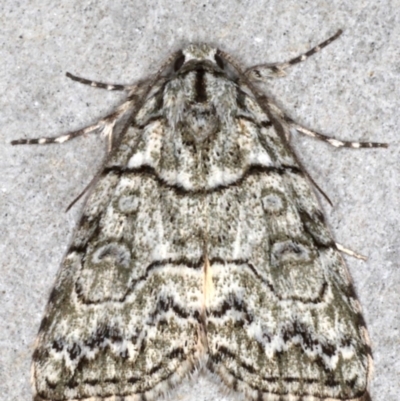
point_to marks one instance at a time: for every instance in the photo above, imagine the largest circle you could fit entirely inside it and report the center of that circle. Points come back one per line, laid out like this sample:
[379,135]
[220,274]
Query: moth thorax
[201,121]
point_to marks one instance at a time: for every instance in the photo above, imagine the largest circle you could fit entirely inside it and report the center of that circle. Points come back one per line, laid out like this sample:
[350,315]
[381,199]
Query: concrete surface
[350,90]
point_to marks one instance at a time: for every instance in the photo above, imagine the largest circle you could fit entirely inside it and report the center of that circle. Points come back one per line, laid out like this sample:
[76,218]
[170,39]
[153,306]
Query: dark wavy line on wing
[198,265]
[177,353]
[251,170]
[329,381]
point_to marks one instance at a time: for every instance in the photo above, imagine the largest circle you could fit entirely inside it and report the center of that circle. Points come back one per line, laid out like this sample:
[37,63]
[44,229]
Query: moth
[202,247]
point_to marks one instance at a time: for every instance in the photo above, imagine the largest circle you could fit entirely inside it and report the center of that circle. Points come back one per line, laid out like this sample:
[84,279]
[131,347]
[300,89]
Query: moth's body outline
[191,252]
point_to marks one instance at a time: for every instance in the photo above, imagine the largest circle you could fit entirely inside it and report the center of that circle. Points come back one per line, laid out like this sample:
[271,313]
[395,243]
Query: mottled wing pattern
[202,244]
[124,318]
[284,318]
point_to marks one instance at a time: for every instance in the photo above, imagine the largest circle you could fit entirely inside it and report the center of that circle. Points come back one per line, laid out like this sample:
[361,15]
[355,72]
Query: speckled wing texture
[202,246]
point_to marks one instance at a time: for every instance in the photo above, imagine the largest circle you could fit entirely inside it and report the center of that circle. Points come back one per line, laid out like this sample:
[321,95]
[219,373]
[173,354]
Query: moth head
[198,54]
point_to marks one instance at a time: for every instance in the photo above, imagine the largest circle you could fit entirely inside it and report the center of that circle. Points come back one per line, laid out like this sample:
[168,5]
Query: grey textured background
[349,90]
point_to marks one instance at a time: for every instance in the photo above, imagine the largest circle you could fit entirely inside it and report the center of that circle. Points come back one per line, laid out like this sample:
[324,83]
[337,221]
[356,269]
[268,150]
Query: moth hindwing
[202,247]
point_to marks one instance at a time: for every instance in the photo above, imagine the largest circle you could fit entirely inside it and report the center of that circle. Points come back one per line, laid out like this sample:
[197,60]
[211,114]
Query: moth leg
[102,85]
[333,141]
[349,252]
[104,125]
[263,72]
